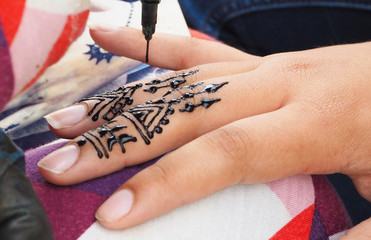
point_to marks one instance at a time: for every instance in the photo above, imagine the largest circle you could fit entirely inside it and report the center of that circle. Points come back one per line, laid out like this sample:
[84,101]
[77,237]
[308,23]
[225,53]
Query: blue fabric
[9,154]
[264,27]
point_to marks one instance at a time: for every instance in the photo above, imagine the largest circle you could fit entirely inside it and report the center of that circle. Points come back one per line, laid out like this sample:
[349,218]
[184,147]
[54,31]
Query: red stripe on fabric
[74,26]
[200,35]
[330,207]
[6,72]
[298,228]
[11,13]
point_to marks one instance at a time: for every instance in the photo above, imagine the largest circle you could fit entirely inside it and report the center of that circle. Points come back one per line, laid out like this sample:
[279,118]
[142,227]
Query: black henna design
[118,99]
[176,81]
[144,116]
[150,117]
[205,102]
[111,140]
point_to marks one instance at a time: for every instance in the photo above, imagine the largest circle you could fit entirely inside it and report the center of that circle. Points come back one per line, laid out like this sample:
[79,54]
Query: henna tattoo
[111,140]
[148,118]
[143,117]
[118,99]
[176,81]
[205,102]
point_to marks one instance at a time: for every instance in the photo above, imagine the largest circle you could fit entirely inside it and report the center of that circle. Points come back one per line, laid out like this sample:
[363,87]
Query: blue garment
[263,27]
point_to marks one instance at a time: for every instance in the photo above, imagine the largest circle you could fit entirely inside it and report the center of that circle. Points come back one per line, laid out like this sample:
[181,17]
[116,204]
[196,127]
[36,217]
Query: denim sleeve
[264,27]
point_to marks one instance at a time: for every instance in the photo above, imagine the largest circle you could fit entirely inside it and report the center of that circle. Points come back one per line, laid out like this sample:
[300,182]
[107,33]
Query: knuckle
[293,67]
[293,63]
[194,43]
[161,174]
[231,143]
[189,45]
[169,181]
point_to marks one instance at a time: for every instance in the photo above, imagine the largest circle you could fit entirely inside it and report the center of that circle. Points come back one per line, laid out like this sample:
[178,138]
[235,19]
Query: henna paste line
[192,86]
[99,152]
[205,102]
[173,84]
[122,97]
[100,143]
[140,113]
[116,108]
[149,117]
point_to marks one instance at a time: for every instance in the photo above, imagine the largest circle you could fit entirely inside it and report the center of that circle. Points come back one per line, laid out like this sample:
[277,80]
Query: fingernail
[102,27]
[66,117]
[61,160]
[117,206]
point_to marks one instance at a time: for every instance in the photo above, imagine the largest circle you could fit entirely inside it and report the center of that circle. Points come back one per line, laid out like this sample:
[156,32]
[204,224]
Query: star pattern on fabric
[96,53]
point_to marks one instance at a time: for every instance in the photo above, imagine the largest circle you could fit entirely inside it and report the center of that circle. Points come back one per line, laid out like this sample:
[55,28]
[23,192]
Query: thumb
[360,232]
[177,179]
[363,185]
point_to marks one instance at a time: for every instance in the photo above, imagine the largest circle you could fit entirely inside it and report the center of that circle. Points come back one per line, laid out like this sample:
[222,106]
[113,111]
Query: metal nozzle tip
[147,51]
[147,32]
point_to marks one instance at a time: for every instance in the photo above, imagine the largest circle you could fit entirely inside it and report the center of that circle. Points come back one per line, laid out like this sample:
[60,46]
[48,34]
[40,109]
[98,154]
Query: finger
[149,130]
[94,111]
[166,51]
[240,152]
[363,185]
[360,232]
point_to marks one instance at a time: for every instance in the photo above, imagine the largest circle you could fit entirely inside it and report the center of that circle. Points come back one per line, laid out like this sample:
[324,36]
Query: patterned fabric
[33,35]
[300,207]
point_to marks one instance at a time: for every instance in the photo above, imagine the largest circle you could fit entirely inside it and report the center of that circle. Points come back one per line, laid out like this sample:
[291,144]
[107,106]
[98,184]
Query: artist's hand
[267,118]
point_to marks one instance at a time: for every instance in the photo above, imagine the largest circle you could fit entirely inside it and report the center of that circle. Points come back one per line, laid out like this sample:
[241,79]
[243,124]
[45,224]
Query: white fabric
[240,212]
[62,7]
[338,235]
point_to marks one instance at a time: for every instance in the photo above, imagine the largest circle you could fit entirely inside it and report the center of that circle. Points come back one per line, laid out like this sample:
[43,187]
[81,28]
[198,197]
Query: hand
[21,213]
[255,119]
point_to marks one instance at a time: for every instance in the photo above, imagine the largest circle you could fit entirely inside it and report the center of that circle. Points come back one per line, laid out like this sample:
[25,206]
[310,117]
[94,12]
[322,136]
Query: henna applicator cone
[149,20]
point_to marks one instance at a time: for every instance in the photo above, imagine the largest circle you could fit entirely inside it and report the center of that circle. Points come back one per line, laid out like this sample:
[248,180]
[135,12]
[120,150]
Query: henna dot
[158,129]
[176,83]
[81,142]
[152,89]
[189,107]
[170,111]
[128,100]
[188,95]
[164,121]
[150,134]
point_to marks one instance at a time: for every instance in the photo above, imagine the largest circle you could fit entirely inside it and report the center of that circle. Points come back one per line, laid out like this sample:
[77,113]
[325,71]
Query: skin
[292,113]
